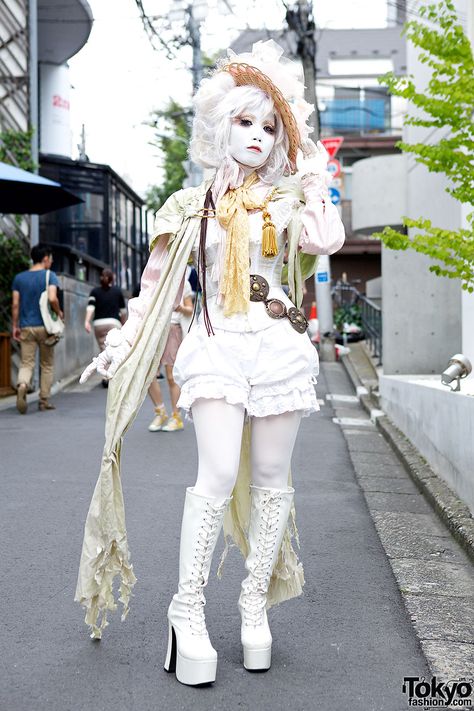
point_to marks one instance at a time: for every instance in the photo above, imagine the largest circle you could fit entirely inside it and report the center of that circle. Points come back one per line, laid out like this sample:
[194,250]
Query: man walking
[28,327]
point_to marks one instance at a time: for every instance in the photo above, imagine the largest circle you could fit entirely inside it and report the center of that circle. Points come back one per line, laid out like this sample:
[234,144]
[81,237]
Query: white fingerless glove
[106,363]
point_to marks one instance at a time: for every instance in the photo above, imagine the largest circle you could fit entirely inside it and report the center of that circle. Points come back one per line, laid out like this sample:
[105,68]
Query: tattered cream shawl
[105,553]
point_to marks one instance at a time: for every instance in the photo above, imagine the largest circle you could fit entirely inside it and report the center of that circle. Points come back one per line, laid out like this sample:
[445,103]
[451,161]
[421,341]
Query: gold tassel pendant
[269,237]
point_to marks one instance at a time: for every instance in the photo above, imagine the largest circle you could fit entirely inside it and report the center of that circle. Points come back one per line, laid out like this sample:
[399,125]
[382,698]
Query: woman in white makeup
[247,369]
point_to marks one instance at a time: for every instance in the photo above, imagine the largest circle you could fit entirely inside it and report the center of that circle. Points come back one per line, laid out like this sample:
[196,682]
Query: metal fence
[372,323]
[346,295]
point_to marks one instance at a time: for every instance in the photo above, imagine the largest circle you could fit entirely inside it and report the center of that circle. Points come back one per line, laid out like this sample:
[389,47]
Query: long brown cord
[208,203]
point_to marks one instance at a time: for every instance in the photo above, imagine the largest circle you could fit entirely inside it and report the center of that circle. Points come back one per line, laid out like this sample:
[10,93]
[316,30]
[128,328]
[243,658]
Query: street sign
[335,196]
[332,144]
[322,276]
[334,167]
[336,183]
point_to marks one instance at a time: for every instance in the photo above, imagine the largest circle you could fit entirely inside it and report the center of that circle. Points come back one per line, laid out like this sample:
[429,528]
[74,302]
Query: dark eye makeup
[247,122]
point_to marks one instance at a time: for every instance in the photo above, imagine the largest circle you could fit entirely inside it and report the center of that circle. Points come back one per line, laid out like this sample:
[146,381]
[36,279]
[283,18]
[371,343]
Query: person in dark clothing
[105,309]
[28,326]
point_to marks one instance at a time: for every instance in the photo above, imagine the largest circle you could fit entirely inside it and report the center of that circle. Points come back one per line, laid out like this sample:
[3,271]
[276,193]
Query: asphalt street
[346,644]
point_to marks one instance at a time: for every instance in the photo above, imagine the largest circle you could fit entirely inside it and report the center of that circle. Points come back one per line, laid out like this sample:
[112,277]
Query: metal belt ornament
[259,290]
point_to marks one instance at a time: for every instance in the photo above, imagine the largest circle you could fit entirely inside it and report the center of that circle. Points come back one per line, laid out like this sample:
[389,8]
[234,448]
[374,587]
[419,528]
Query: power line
[412,12]
[151,32]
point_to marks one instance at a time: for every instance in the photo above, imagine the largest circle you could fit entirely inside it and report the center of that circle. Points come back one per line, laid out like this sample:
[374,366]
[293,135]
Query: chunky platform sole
[257,659]
[188,671]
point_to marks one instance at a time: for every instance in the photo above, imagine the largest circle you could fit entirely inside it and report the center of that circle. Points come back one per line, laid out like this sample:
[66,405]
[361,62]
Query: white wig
[219,101]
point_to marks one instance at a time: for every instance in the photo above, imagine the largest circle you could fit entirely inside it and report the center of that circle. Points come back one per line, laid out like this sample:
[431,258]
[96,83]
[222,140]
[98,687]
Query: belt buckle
[275,308]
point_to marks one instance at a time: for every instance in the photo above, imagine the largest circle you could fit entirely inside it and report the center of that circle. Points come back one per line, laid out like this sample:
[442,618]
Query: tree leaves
[446,103]
[172,135]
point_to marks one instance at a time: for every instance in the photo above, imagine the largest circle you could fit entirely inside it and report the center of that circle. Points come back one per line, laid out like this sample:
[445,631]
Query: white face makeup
[252,137]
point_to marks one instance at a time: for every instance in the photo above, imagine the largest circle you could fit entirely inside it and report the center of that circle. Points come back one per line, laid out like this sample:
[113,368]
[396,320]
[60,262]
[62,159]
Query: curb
[451,510]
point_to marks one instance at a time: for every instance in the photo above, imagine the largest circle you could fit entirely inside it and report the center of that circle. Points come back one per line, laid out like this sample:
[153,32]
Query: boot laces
[204,549]
[255,587]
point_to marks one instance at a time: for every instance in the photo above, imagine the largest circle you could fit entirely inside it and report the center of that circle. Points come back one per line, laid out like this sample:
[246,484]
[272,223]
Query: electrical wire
[151,32]
[413,11]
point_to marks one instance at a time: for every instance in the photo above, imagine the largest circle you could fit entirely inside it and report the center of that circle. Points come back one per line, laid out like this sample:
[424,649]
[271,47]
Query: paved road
[346,644]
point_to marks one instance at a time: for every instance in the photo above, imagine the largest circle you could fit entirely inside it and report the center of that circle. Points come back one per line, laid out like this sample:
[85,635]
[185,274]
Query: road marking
[353,422]
[361,390]
[342,398]
[375,414]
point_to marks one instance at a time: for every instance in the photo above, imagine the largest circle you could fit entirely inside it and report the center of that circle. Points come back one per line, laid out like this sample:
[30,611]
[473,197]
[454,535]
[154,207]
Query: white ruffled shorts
[269,371]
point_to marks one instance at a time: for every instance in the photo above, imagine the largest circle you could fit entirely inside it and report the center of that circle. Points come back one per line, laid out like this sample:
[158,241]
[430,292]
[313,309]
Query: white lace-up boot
[269,513]
[190,653]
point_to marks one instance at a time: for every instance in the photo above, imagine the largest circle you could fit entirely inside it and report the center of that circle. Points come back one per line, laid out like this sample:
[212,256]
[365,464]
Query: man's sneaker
[174,424]
[159,420]
[44,405]
[21,404]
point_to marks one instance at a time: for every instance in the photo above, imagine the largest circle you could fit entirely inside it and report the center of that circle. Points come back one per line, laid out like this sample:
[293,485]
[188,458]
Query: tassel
[269,240]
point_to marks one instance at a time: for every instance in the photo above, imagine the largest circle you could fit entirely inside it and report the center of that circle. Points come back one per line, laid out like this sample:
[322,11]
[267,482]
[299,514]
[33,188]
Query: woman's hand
[107,363]
[313,160]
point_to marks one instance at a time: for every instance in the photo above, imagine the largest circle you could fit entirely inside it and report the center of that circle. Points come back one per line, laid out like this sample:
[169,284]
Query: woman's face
[252,137]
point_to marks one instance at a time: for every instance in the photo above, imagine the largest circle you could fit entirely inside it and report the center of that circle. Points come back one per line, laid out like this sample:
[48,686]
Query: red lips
[254,148]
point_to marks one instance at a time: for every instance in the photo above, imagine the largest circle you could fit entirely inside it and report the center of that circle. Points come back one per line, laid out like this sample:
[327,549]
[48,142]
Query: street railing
[346,295]
[372,324]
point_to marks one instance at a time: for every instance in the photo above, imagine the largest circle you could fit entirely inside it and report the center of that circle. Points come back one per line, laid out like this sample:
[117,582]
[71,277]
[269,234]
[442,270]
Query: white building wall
[379,195]
[468,299]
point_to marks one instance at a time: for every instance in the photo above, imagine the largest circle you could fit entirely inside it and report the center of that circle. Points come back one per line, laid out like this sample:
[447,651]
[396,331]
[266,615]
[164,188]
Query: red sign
[334,167]
[332,144]
[60,102]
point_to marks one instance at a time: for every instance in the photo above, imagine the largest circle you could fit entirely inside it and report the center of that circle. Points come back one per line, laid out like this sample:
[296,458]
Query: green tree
[15,148]
[172,136]
[446,102]
[17,144]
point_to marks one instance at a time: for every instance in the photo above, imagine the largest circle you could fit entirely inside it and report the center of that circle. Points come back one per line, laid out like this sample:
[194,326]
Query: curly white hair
[217,102]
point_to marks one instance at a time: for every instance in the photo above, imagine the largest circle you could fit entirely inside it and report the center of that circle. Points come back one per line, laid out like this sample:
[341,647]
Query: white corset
[269,267]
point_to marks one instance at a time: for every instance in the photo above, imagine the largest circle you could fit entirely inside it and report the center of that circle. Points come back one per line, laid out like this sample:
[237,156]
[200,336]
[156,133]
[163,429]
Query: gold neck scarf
[233,216]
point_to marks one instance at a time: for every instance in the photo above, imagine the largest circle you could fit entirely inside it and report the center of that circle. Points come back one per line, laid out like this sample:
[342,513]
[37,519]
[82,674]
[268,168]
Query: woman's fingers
[88,371]
[308,148]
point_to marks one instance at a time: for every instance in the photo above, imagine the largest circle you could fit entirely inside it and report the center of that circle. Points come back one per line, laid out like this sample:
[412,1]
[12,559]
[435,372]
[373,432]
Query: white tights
[218,427]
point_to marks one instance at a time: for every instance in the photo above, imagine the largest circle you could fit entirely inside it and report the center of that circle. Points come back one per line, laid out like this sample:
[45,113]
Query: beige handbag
[53,324]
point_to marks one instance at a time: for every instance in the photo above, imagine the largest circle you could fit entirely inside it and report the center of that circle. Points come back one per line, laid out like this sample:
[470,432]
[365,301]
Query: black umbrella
[23,193]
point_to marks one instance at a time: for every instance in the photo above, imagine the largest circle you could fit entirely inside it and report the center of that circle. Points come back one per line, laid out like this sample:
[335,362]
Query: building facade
[426,318]
[353,105]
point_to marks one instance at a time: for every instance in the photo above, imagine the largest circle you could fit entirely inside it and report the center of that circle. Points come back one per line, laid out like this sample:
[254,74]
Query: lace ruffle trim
[285,396]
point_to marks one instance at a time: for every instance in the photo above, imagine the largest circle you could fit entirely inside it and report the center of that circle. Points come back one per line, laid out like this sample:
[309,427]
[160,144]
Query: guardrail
[346,295]
[372,324]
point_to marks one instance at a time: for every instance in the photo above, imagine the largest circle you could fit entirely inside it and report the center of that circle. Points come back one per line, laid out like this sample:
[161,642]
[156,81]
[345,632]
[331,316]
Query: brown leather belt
[259,290]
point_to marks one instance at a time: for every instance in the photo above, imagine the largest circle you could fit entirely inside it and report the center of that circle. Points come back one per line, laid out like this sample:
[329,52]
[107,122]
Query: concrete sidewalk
[347,643]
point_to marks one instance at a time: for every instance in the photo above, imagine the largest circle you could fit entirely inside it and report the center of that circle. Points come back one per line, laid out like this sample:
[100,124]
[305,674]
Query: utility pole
[300,20]
[194,31]
[33,101]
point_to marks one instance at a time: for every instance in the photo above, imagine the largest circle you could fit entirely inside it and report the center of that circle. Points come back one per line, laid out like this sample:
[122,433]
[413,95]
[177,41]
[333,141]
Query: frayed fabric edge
[109,564]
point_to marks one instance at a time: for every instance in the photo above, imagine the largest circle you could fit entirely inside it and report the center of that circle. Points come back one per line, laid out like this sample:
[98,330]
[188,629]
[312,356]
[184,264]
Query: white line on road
[353,422]
[342,398]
